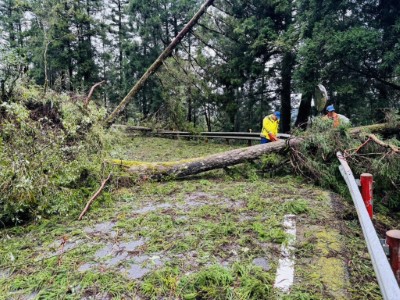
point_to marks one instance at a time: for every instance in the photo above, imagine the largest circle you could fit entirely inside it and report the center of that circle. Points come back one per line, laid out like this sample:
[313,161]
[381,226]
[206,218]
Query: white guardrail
[387,282]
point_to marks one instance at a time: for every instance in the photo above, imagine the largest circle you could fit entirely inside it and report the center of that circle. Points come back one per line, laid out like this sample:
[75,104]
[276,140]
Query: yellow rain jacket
[269,126]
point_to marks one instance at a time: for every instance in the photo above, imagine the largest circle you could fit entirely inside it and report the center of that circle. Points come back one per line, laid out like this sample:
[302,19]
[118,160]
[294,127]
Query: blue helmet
[330,108]
[277,114]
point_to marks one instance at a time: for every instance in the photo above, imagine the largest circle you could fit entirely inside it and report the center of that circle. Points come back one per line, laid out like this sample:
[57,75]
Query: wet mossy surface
[217,235]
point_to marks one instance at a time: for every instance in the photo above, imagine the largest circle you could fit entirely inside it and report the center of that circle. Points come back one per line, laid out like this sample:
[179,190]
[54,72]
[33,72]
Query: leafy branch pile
[316,159]
[51,151]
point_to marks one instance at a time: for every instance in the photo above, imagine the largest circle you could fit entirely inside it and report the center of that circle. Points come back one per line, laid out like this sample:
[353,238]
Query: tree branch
[91,200]
[85,104]
[370,75]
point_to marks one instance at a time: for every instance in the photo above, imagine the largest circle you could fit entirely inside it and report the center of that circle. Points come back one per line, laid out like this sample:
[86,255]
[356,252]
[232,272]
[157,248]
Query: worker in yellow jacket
[270,128]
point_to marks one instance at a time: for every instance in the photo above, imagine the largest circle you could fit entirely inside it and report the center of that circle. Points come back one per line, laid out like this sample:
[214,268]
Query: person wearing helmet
[332,115]
[270,128]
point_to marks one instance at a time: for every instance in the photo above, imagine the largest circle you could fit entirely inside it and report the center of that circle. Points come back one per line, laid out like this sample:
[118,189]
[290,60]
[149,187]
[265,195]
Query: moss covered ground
[212,236]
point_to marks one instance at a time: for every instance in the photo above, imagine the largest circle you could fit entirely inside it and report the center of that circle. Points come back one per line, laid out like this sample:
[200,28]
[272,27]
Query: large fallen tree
[183,168]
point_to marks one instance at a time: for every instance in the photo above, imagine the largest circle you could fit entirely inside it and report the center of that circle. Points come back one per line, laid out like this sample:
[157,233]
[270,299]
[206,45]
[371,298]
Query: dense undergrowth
[51,150]
[316,159]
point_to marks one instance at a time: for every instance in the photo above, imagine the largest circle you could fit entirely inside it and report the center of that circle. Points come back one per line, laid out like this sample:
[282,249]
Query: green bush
[51,150]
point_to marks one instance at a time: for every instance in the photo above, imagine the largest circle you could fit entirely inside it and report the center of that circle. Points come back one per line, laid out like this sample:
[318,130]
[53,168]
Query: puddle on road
[31,296]
[86,267]
[58,247]
[200,195]
[151,208]
[200,198]
[104,227]
[262,262]
[119,249]
[116,259]
[138,265]
[5,273]
[135,271]
[104,251]
[142,265]
[131,245]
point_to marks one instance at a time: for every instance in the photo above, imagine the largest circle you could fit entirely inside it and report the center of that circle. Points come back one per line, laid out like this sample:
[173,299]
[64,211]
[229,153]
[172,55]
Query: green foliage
[210,283]
[316,159]
[50,155]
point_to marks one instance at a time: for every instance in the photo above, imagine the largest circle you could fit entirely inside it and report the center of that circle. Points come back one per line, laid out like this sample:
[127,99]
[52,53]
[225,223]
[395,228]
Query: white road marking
[285,272]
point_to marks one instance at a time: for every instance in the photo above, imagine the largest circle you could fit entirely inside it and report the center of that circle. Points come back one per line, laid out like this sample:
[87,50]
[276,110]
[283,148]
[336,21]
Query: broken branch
[374,138]
[91,200]
[86,103]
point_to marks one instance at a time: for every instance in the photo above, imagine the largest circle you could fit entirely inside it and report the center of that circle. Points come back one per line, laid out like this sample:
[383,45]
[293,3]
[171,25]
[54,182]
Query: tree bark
[304,111]
[382,128]
[154,67]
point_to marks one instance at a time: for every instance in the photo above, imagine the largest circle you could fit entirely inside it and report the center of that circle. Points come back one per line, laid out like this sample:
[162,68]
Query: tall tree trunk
[190,108]
[120,53]
[304,110]
[286,107]
[154,67]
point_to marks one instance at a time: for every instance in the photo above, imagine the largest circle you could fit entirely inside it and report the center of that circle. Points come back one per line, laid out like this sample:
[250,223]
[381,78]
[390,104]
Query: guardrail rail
[386,279]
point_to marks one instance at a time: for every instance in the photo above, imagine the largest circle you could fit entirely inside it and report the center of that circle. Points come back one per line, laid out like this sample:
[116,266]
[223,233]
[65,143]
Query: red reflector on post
[366,180]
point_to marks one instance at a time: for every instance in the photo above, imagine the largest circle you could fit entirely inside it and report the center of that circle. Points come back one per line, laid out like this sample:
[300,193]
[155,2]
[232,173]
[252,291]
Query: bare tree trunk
[154,67]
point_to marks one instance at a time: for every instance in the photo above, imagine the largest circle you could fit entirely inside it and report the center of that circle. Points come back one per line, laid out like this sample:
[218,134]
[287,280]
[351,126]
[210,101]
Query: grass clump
[210,283]
[241,281]
[296,207]
[160,283]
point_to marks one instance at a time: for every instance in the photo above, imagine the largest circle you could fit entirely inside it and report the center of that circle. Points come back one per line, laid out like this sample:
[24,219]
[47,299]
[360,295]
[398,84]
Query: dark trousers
[264,140]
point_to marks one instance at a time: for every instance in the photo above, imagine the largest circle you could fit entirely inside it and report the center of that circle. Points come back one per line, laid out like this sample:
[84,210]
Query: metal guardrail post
[387,282]
[393,240]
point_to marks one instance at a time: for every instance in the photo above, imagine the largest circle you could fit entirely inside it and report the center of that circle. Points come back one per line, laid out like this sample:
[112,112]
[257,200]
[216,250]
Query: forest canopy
[241,61]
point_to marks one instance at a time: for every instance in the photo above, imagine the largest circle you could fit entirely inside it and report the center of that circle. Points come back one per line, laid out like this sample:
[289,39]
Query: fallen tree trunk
[382,128]
[185,168]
